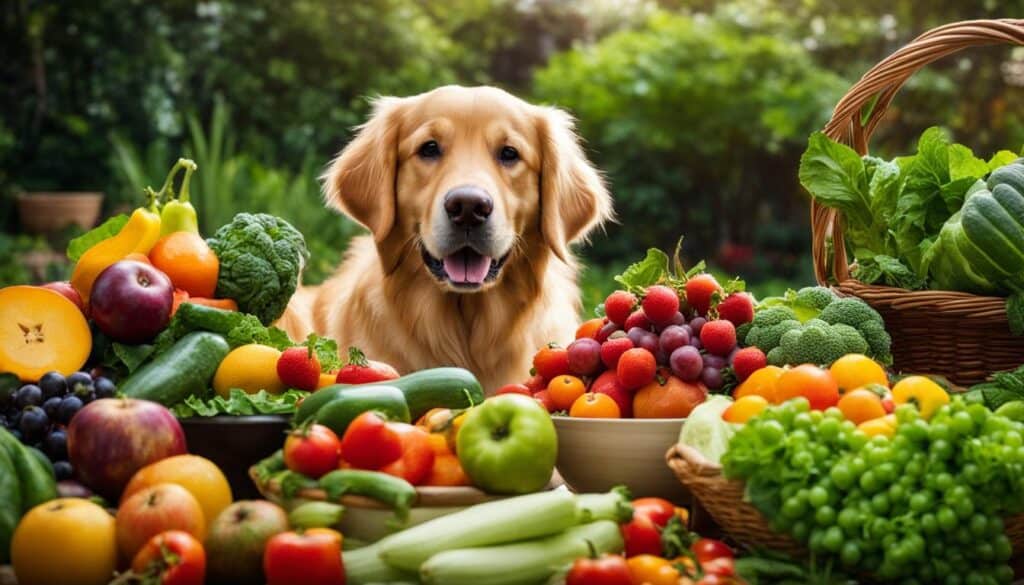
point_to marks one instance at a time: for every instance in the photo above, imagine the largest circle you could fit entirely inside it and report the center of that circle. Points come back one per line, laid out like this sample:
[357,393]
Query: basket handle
[862,108]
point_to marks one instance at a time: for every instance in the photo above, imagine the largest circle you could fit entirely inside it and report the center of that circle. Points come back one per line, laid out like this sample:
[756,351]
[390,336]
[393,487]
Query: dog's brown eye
[508,155]
[430,150]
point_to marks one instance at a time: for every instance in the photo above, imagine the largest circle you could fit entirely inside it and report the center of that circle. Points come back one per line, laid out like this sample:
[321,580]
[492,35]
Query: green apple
[508,445]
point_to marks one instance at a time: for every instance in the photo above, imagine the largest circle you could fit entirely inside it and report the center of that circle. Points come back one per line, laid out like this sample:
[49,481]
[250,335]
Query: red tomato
[310,558]
[360,370]
[722,567]
[173,557]
[536,383]
[417,458]
[709,549]
[369,443]
[514,389]
[606,570]
[658,510]
[312,451]
[642,536]
[544,398]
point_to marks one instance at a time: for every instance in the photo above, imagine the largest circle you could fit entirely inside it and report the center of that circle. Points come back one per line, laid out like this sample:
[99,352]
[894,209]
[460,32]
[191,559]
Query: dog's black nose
[468,206]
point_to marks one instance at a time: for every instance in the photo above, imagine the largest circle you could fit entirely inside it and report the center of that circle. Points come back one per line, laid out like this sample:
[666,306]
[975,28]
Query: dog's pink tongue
[467,267]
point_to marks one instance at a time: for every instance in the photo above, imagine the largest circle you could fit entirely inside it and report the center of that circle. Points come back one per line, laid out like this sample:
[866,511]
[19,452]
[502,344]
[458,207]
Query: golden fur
[385,301]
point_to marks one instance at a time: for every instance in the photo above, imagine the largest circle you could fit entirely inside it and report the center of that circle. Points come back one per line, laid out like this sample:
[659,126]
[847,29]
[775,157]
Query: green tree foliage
[692,120]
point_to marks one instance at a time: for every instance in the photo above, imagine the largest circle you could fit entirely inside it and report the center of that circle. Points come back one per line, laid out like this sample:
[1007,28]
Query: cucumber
[363,566]
[347,405]
[10,510]
[185,369]
[35,478]
[388,489]
[423,390]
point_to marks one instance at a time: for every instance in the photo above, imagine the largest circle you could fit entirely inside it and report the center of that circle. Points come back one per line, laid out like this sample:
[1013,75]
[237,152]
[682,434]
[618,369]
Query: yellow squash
[137,236]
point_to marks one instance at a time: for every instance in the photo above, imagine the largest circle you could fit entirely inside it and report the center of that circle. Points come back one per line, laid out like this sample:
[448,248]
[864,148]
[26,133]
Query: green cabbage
[705,431]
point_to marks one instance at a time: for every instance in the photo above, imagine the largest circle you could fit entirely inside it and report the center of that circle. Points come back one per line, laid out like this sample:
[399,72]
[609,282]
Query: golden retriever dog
[472,198]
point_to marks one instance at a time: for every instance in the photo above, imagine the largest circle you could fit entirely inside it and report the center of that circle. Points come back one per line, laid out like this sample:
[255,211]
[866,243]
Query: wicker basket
[723,499]
[919,321]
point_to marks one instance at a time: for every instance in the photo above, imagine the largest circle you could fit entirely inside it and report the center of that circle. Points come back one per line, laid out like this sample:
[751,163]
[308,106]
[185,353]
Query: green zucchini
[423,390]
[363,566]
[346,406]
[490,523]
[387,489]
[521,563]
[10,510]
[185,369]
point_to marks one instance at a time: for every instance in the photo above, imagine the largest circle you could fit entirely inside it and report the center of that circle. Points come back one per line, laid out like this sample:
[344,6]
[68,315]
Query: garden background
[697,111]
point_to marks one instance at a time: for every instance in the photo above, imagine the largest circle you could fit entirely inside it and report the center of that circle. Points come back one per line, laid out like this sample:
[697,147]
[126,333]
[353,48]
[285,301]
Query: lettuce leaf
[640,275]
[239,403]
[107,229]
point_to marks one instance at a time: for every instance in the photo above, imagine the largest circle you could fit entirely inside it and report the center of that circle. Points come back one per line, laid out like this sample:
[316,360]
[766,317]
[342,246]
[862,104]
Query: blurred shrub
[694,124]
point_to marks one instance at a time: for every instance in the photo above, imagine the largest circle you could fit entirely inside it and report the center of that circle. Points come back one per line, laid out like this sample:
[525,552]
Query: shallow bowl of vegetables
[597,454]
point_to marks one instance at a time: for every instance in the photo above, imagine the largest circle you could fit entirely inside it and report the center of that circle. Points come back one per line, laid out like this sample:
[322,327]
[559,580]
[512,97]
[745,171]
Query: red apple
[165,506]
[64,287]
[236,539]
[112,438]
[131,301]
[608,383]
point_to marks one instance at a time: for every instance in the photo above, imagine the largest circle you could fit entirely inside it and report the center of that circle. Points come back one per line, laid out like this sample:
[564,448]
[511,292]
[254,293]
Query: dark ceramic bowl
[234,443]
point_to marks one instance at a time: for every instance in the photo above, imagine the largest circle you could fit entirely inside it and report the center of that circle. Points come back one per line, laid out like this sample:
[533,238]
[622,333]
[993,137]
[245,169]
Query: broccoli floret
[741,332]
[260,260]
[775,357]
[817,297]
[773,316]
[859,315]
[820,343]
[766,338]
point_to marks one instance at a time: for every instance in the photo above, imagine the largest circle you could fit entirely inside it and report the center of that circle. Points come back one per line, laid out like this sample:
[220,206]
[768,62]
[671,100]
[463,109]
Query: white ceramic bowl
[596,454]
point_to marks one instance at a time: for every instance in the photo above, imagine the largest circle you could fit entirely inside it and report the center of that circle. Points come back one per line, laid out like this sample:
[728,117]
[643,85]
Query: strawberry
[718,337]
[636,368]
[637,319]
[298,367]
[699,290]
[747,361]
[551,361]
[737,308]
[660,304]
[360,370]
[613,349]
[618,306]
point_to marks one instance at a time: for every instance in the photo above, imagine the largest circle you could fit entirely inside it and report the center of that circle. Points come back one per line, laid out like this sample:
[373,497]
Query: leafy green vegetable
[239,403]
[640,275]
[261,257]
[705,431]
[132,356]
[107,229]
[1015,313]
[1000,388]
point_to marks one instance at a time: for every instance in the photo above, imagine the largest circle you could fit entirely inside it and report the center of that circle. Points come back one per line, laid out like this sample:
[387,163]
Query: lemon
[250,367]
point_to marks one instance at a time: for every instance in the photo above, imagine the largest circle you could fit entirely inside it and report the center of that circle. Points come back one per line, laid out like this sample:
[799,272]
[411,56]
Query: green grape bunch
[917,507]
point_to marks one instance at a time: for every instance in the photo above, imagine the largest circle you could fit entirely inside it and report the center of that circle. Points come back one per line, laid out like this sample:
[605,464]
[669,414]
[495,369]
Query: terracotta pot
[47,212]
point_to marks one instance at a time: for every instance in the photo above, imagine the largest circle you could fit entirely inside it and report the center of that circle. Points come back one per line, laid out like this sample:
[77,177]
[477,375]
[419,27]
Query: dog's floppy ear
[573,196]
[361,179]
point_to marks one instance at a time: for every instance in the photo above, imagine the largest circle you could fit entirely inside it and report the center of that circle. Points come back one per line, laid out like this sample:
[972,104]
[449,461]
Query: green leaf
[889,271]
[326,352]
[1015,313]
[107,229]
[835,176]
[239,403]
[1001,159]
[963,163]
[132,356]
[646,272]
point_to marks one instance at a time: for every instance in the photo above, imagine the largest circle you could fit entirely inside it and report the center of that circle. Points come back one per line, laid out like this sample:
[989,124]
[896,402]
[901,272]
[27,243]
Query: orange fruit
[745,408]
[855,370]
[589,328]
[861,405]
[564,391]
[593,405]
[760,383]
[447,471]
[673,399]
[190,264]
[199,476]
[41,330]
[811,382]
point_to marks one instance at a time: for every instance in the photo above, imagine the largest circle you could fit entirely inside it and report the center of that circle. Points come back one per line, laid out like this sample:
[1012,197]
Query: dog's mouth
[466,268]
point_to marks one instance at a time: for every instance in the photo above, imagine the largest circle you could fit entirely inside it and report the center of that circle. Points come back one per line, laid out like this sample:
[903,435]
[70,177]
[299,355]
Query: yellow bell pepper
[137,236]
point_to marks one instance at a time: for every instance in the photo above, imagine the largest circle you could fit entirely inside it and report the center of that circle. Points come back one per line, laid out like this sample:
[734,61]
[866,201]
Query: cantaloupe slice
[41,331]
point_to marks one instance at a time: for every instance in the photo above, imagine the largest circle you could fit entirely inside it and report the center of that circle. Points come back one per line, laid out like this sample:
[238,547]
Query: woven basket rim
[881,83]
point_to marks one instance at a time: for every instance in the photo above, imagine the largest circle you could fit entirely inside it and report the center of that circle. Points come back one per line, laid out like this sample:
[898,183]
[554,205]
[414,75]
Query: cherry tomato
[417,459]
[514,389]
[722,567]
[536,383]
[173,557]
[370,443]
[652,570]
[709,549]
[658,510]
[310,558]
[605,570]
[642,536]
[312,451]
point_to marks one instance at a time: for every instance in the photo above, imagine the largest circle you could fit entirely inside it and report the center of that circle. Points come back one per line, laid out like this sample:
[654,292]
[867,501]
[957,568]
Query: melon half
[41,331]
